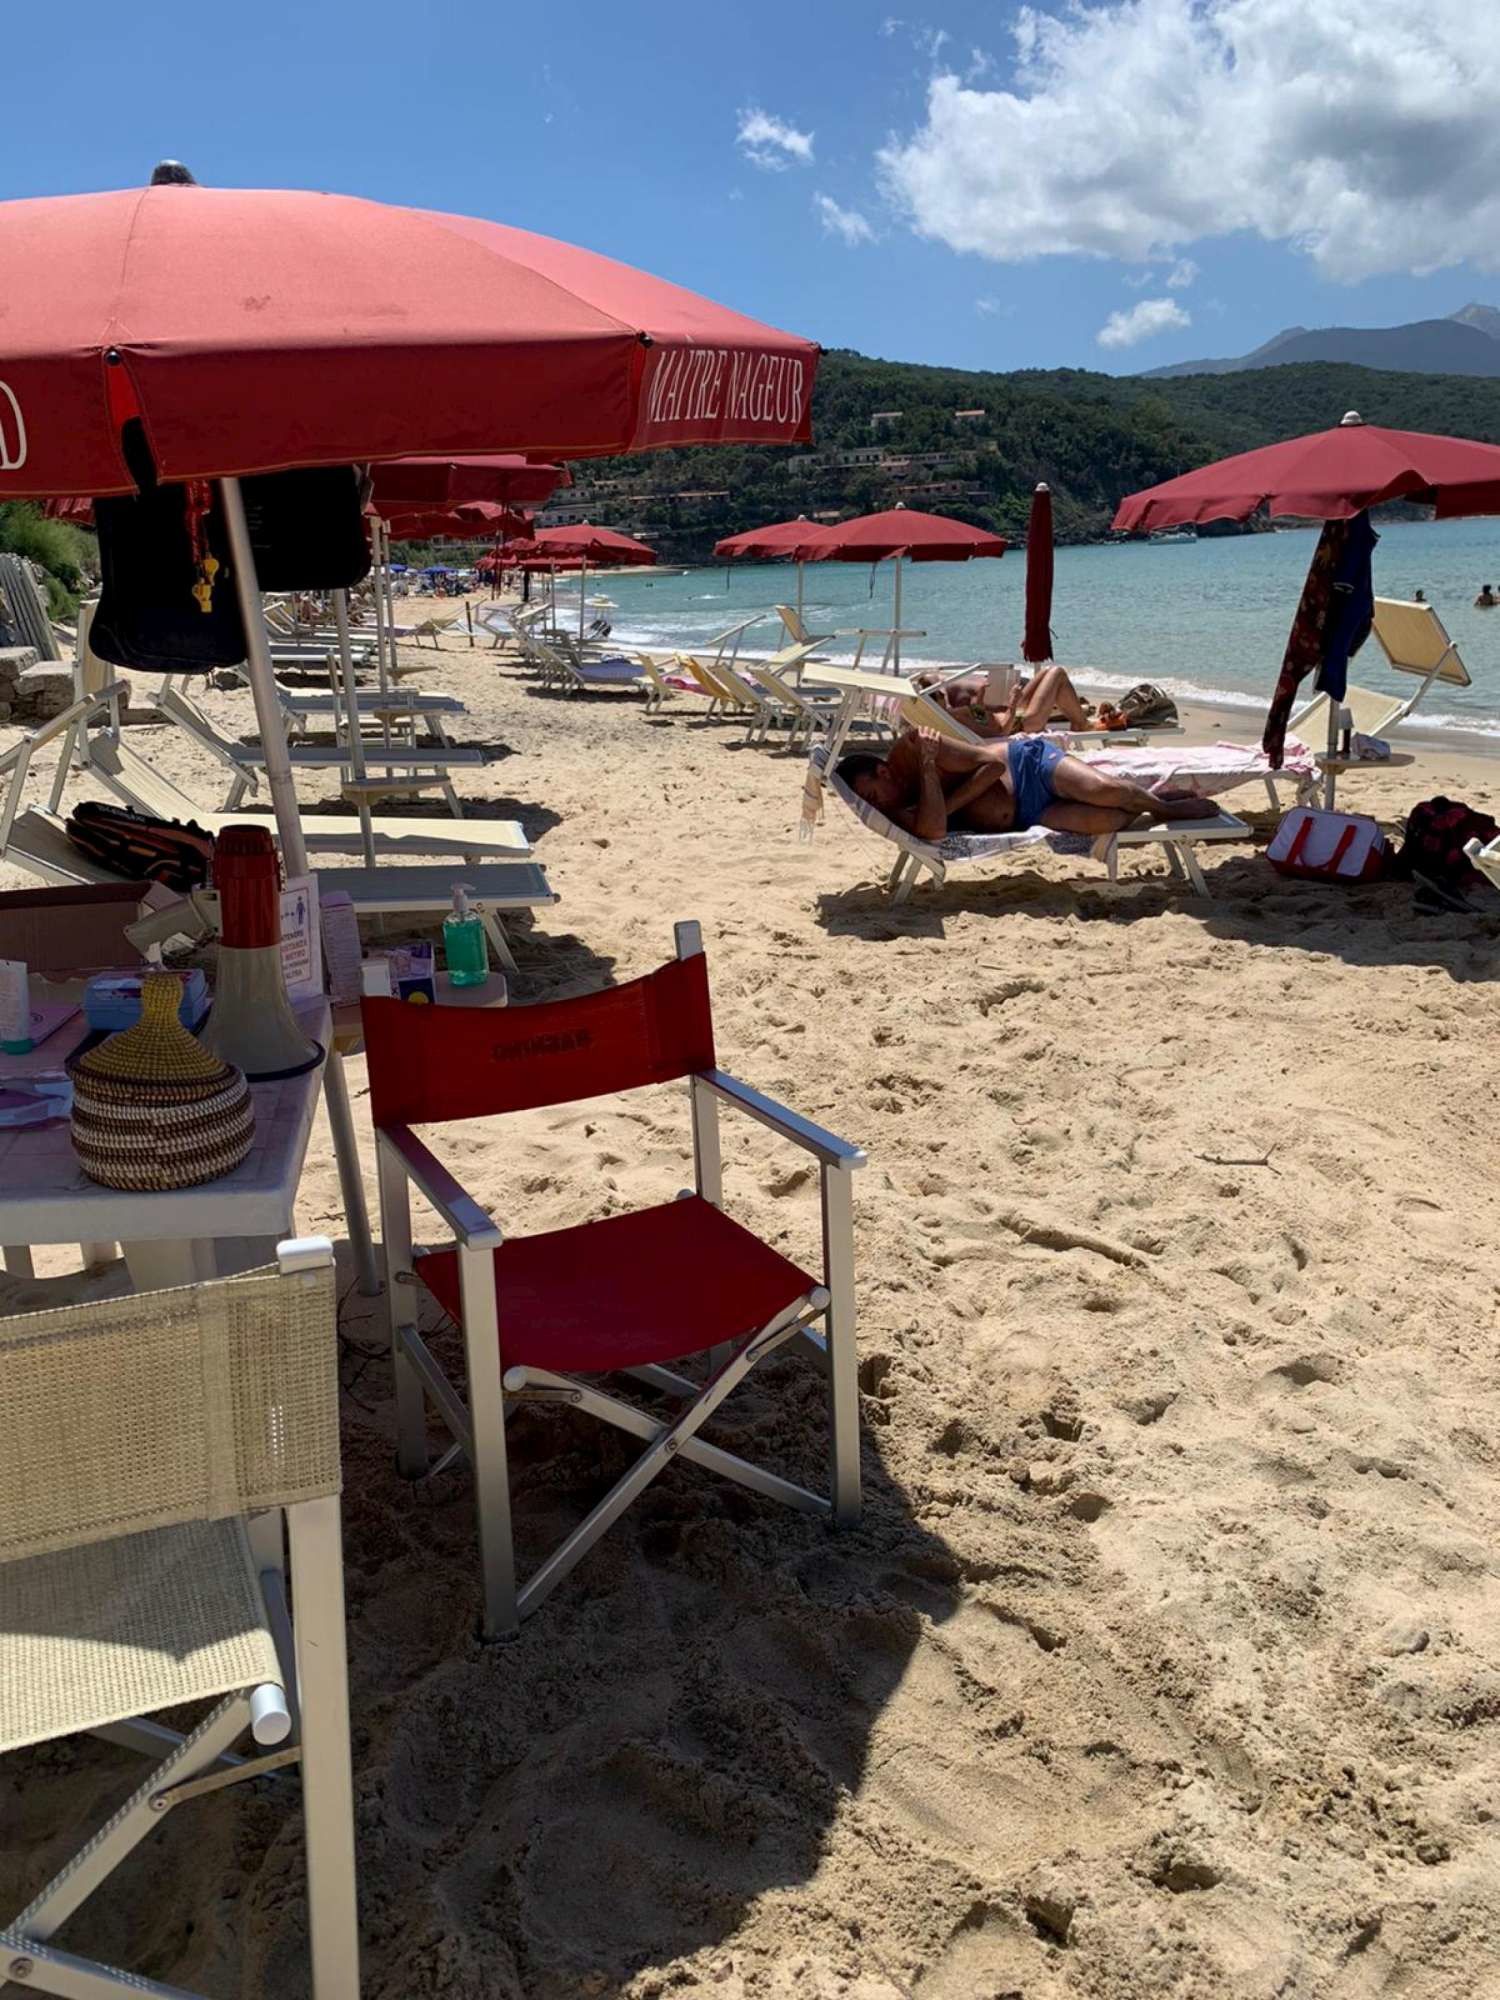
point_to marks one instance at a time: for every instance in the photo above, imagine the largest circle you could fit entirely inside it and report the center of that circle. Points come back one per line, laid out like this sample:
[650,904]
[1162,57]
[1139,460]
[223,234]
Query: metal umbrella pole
[896,635]
[351,717]
[294,859]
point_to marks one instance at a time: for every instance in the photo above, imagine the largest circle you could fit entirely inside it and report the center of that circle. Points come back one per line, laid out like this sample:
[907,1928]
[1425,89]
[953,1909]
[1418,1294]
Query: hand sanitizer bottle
[464,944]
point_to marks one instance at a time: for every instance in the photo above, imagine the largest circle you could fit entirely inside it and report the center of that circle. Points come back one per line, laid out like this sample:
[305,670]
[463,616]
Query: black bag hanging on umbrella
[307,528]
[168,600]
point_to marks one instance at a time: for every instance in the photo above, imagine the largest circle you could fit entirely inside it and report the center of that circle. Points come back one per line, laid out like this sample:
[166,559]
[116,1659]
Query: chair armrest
[469,1222]
[833,1151]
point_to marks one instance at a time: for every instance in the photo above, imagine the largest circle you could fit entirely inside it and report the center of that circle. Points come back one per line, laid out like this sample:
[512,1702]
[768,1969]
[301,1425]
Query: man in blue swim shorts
[932,786]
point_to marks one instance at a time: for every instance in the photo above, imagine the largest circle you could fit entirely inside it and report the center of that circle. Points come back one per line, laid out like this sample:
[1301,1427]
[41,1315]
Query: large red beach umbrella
[1328,476]
[252,330]
[1036,646]
[903,532]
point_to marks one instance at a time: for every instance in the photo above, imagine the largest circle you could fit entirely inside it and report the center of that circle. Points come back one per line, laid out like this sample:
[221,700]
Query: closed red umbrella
[1328,476]
[505,478]
[1037,644]
[904,532]
[253,329]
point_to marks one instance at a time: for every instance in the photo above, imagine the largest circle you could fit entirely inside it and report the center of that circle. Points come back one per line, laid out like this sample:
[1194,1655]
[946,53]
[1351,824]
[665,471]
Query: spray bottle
[464,944]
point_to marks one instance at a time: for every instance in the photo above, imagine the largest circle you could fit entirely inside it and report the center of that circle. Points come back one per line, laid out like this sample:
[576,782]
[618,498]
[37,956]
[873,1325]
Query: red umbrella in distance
[1327,476]
[1037,644]
[903,532]
[604,547]
[506,478]
[780,541]
[252,330]
[475,518]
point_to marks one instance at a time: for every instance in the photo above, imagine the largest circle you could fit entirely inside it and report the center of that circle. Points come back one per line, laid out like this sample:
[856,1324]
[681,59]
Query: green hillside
[1093,438]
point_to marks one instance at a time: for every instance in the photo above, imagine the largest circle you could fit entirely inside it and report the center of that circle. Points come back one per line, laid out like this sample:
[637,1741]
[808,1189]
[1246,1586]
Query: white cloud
[981,64]
[1182,274]
[846,223]
[992,308]
[770,143]
[1362,132]
[1142,322]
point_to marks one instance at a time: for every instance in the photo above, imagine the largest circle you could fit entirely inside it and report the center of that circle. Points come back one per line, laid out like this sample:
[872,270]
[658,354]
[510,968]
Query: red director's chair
[544,1317]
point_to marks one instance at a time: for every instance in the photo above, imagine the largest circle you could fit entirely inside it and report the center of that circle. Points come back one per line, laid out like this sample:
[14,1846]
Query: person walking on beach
[931,787]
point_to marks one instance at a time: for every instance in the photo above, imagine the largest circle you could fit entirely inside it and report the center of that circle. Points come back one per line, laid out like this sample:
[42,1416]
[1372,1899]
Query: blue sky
[969,183]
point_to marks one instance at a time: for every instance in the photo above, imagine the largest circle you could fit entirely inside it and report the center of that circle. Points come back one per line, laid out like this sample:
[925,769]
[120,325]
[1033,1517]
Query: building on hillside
[805,464]
[865,454]
[881,420]
[968,416]
[945,489]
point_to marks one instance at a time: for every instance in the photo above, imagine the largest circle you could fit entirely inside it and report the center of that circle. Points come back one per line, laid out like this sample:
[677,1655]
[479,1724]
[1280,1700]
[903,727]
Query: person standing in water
[1486,600]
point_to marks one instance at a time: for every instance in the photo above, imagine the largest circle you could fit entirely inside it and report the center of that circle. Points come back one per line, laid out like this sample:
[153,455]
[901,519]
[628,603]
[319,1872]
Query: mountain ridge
[1467,342]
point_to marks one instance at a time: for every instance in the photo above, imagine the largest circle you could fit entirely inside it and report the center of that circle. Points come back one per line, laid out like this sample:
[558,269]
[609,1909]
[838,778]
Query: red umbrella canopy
[901,531]
[469,522]
[791,541]
[1037,644]
[592,545]
[1328,476]
[505,478]
[253,330]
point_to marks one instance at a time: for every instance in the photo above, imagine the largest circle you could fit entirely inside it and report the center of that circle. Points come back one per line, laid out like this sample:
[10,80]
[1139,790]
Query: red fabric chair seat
[654,1285]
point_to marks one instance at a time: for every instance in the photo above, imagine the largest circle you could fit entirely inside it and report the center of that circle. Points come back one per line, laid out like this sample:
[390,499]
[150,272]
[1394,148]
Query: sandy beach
[1164,1664]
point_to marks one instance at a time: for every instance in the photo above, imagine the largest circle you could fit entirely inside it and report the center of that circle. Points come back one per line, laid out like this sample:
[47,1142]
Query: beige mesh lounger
[168,1457]
[1415,641]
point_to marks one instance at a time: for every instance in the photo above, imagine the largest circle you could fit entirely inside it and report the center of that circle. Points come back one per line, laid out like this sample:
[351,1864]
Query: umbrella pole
[351,717]
[583,598]
[896,635]
[294,860]
[801,620]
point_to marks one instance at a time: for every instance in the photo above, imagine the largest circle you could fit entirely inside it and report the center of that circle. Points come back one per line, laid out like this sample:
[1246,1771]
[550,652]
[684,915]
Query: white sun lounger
[121,769]
[244,762]
[1176,838]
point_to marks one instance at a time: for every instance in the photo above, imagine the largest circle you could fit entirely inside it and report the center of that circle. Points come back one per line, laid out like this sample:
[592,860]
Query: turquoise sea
[1207,619]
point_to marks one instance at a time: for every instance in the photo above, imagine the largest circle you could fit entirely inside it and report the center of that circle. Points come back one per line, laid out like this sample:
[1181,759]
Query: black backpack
[164,606]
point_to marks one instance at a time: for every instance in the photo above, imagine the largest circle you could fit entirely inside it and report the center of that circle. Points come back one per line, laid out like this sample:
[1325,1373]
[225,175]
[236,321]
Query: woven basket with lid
[152,1108]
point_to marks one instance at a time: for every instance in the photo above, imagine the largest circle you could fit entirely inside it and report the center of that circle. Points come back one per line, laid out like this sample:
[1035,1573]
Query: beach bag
[1328,846]
[1437,832]
[307,528]
[152,548]
[175,853]
[1145,704]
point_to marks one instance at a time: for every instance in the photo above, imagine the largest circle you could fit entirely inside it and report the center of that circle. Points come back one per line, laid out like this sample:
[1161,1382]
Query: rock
[1045,1478]
[1050,1909]
[14,660]
[1404,1635]
[42,692]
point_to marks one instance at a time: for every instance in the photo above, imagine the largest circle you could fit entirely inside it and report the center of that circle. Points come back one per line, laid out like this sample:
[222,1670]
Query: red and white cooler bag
[1328,846]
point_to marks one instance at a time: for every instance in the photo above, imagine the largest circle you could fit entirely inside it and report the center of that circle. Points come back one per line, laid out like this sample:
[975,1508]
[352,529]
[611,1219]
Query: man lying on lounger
[933,787]
[1030,706]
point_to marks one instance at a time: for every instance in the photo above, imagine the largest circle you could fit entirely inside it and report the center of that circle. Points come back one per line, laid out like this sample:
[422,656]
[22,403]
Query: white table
[222,1226]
